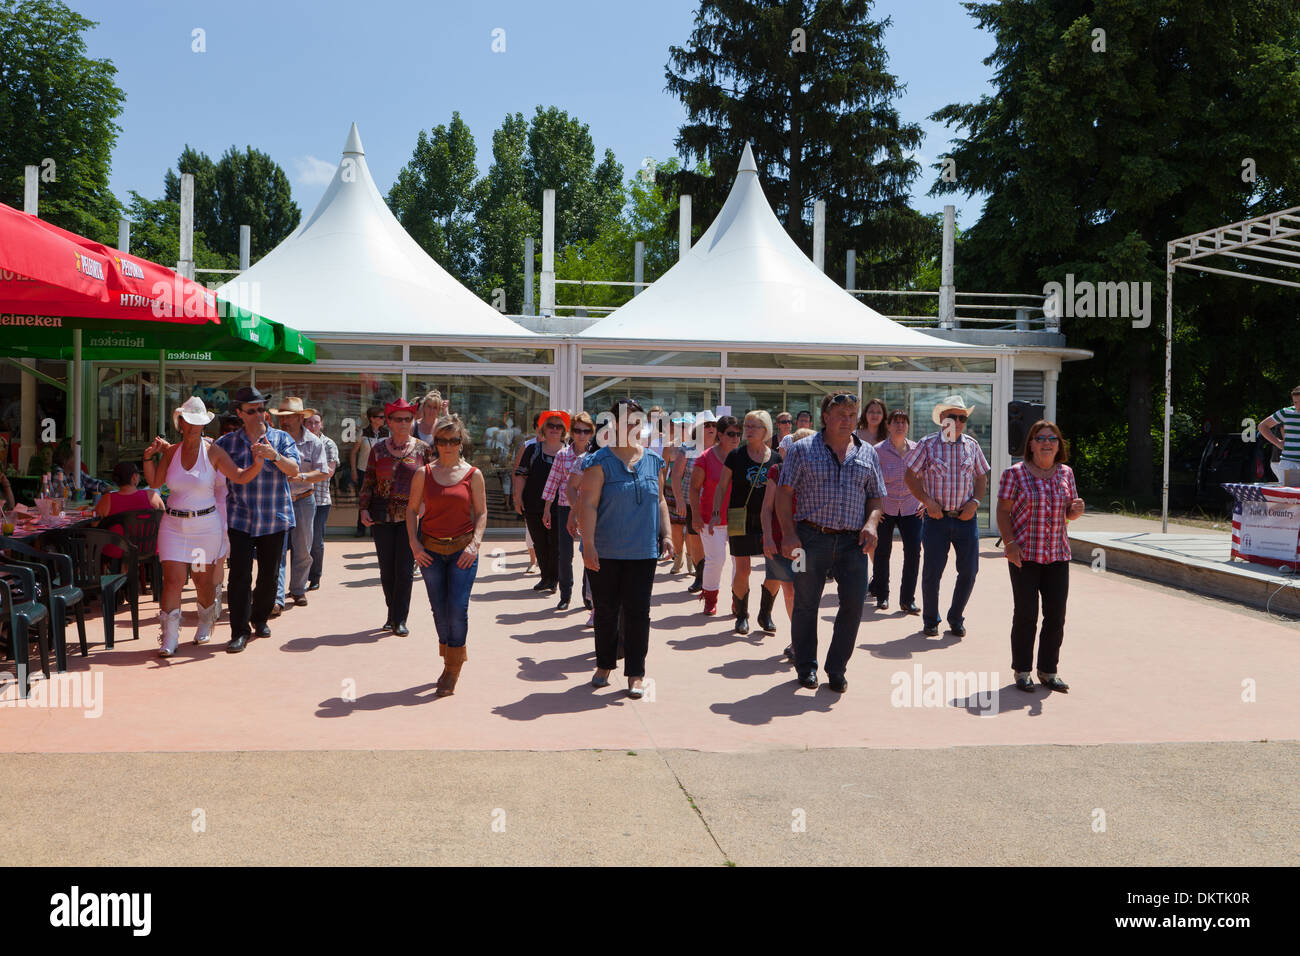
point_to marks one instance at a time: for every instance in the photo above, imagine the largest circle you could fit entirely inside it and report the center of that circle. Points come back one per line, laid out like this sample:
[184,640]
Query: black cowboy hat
[247,395]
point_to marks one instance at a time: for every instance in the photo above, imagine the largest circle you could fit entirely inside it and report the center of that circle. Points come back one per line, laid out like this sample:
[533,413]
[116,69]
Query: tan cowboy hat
[292,405]
[953,402]
[193,411]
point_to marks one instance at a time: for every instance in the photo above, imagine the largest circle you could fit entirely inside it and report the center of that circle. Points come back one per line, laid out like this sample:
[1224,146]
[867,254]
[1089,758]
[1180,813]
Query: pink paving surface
[1145,665]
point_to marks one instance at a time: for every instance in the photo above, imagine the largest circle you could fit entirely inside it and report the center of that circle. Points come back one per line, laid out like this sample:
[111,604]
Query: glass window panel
[782,395]
[651,358]
[799,360]
[357,352]
[927,363]
[673,395]
[471,353]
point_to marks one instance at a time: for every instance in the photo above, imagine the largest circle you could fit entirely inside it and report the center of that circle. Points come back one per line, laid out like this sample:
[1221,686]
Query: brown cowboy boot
[442,652]
[455,659]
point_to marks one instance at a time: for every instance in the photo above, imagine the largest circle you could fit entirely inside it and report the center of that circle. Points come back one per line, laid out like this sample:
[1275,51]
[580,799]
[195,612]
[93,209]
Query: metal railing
[1029,314]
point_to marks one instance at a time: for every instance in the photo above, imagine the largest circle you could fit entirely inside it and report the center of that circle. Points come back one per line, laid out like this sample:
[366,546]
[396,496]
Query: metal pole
[548,252]
[528,275]
[162,392]
[27,390]
[947,288]
[638,266]
[850,269]
[819,235]
[245,247]
[123,235]
[76,408]
[1169,365]
[185,266]
[683,227]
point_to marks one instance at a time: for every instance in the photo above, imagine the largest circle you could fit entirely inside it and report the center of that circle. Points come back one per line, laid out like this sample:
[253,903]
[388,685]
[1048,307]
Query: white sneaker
[171,632]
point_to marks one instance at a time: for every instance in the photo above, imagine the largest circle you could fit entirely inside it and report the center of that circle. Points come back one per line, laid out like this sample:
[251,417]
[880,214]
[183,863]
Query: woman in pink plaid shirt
[1036,497]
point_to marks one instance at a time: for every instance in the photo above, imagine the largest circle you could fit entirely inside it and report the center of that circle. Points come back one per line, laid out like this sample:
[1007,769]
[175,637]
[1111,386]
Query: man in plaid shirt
[258,514]
[948,474]
[323,500]
[835,478]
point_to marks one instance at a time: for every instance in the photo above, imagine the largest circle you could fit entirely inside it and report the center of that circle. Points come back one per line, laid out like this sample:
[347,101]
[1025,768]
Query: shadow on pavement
[904,647]
[779,701]
[575,700]
[338,707]
[535,670]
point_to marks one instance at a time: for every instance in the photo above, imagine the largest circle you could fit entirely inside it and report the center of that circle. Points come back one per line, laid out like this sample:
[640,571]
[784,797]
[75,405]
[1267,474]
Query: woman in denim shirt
[624,520]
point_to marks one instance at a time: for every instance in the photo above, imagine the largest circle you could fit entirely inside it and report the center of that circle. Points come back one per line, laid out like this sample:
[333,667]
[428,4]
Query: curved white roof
[746,281]
[350,267]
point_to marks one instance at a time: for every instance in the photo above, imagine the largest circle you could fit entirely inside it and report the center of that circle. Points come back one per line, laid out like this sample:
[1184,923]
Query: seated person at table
[128,497]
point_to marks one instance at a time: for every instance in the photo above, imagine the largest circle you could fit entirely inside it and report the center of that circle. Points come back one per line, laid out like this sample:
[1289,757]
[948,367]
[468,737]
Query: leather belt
[303,495]
[825,530]
[192,514]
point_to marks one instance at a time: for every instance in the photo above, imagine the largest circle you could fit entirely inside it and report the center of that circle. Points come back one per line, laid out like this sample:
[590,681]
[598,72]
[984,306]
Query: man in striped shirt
[1289,419]
[948,474]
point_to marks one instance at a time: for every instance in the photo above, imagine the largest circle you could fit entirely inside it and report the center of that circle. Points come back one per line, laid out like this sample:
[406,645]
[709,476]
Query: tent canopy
[350,267]
[746,281]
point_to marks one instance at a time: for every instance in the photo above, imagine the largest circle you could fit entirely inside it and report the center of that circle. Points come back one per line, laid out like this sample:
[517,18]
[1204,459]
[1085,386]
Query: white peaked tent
[351,268]
[746,281]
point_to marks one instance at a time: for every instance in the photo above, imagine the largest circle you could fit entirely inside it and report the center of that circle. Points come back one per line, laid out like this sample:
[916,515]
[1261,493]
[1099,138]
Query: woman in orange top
[445,521]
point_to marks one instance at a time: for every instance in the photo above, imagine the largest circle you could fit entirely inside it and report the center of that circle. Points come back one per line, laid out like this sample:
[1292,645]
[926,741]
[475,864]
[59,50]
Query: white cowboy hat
[193,411]
[292,405]
[953,402]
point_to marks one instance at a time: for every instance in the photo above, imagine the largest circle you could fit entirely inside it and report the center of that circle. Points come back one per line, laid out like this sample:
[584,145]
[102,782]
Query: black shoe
[1024,682]
[837,682]
[552,587]
[1054,683]
[586,602]
[261,630]
[400,629]
[931,630]
[698,584]
[314,586]
[808,680]
[388,624]
[563,605]
[789,653]
[958,629]
[910,607]
[740,610]
[882,604]
[277,610]
[236,644]
[765,601]
[541,585]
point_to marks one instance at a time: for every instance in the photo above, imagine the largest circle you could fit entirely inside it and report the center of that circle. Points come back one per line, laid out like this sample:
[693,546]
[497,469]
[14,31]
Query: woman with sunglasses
[530,480]
[624,522]
[712,530]
[372,433]
[384,499]
[1036,497]
[739,500]
[446,519]
[557,487]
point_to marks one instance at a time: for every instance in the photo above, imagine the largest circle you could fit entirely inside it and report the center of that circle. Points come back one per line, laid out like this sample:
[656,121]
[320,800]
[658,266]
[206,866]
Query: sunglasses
[958,418]
[560,427]
[784,421]
[1047,439]
[731,434]
[583,431]
[403,420]
[253,411]
[843,398]
[447,441]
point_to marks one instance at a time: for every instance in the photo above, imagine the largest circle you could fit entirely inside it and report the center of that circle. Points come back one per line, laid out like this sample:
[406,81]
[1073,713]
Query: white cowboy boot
[171,632]
[207,618]
[216,603]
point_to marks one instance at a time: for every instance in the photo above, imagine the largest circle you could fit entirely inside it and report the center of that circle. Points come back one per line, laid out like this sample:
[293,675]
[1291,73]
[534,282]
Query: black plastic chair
[20,612]
[85,547]
[140,527]
[64,595]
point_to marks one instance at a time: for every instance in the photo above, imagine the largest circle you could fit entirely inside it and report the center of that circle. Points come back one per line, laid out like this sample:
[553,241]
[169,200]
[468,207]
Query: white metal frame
[1275,234]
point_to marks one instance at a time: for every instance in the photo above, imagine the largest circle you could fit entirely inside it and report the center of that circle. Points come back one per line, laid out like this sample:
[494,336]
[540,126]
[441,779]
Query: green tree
[504,215]
[434,197]
[1097,149]
[241,189]
[806,83]
[155,234]
[56,103]
[562,156]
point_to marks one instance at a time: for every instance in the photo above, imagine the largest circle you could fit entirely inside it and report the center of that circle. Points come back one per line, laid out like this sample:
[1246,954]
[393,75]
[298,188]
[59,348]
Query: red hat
[401,405]
[554,413]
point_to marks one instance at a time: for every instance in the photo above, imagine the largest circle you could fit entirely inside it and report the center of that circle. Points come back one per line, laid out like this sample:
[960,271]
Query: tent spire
[747,164]
[353,145]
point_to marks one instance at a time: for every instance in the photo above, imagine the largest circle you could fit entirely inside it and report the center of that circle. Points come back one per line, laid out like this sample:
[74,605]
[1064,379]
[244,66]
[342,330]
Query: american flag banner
[1265,524]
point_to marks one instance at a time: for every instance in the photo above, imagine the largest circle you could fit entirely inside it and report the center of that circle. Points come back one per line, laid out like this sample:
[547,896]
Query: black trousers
[396,567]
[623,586]
[545,545]
[563,550]
[1028,581]
[252,605]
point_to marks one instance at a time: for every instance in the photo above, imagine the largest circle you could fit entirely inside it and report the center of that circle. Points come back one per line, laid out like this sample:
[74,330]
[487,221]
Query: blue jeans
[298,540]
[937,535]
[564,550]
[449,587]
[840,555]
[909,528]
[318,543]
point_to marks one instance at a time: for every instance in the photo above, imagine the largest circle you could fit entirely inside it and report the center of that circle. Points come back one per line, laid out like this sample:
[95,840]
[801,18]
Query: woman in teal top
[624,520]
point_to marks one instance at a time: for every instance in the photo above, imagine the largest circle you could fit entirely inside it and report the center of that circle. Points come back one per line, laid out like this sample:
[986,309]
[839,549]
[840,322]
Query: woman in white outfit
[192,534]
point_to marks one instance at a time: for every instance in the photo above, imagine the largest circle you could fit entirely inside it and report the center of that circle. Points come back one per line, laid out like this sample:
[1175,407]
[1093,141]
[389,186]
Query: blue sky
[288,77]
